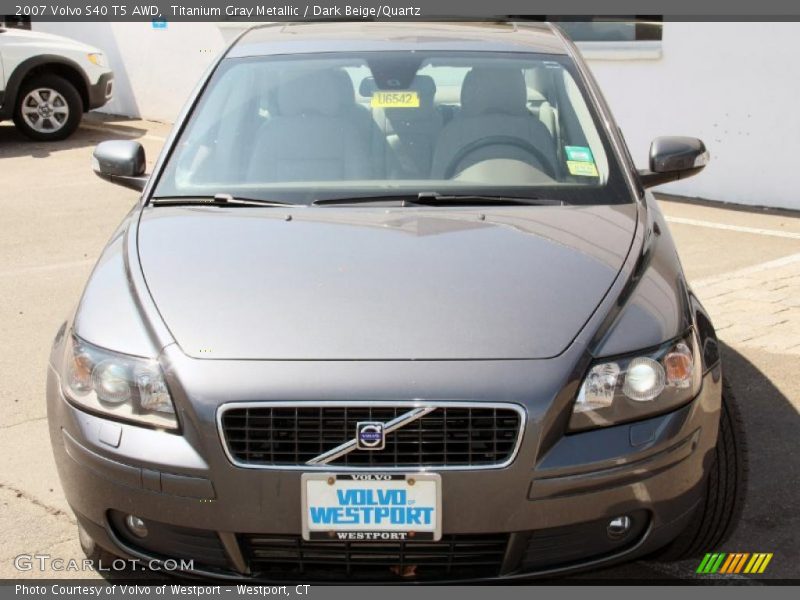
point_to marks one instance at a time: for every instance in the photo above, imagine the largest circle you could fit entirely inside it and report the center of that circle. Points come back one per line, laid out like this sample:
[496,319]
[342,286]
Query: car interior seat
[540,82]
[494,122]
[315,133]
[373,136]
[410,132]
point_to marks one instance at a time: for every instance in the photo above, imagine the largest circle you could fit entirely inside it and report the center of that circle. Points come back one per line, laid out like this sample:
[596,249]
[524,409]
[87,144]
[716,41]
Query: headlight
[636,387]
[120,386]
[98,59]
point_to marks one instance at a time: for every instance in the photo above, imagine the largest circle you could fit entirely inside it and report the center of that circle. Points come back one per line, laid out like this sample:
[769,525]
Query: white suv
[47,82]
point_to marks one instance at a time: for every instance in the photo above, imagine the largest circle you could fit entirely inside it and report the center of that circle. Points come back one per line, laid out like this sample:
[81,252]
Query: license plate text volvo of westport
[395,305]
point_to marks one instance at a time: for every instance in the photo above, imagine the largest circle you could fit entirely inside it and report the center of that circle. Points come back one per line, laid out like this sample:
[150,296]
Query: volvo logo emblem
[370,435]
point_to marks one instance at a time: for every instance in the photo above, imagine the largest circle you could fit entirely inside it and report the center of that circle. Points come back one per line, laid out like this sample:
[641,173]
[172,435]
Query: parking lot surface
[56,216]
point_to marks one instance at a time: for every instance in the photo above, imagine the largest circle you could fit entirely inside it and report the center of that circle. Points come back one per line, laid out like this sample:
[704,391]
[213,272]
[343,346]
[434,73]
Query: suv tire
[48,108]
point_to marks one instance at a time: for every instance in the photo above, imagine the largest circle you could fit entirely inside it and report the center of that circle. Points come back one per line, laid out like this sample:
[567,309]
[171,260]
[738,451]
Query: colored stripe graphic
[741,562]
[711,563]
[718,563]
[704,564]
[757,566]
[736,562]
[752,563]
[760,565]
[764,564]
[729,562]
[739,558]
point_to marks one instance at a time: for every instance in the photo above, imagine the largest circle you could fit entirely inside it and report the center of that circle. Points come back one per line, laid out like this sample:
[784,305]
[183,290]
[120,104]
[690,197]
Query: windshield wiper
[216,200]
[436,199]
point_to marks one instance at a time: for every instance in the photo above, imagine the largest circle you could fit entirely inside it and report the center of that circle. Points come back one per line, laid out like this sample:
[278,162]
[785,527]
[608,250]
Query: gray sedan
[394,305]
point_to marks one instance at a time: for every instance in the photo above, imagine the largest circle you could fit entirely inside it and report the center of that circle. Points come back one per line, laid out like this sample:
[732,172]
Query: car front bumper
[101,92]
[548,511]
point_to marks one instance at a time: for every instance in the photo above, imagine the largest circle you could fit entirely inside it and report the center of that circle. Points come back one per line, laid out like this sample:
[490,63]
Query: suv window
[309,127]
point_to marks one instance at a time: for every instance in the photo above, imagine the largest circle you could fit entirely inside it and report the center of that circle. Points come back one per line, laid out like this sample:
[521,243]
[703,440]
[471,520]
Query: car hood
[339,283]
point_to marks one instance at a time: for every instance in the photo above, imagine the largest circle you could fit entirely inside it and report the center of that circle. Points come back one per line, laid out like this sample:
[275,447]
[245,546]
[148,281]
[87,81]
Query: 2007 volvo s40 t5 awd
[394,304]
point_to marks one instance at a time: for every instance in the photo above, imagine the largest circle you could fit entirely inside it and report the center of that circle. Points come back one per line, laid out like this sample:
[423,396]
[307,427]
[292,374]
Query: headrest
[322,92]
[344,86]
[426,86]
[423,84]
[367,87]
[541,80]
[493,90]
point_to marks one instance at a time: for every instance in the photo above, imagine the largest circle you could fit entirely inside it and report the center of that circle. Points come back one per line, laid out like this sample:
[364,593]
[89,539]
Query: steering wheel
[500,140]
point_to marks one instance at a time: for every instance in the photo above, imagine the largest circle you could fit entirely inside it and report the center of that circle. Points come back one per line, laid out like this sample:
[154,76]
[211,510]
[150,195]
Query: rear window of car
[308,127]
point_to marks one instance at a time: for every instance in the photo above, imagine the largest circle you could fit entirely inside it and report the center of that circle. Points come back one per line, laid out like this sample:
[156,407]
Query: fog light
[618,527]
[136,526]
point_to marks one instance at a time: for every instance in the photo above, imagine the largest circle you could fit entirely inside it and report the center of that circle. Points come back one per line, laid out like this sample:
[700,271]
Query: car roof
[304,38]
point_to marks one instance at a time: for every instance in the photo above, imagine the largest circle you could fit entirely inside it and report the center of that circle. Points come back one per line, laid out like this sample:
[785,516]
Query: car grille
[454,557]
[448,437]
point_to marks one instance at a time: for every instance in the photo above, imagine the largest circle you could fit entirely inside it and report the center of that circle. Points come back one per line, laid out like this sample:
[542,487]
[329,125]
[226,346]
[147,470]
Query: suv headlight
[97,59]
[117,385]
[638,386]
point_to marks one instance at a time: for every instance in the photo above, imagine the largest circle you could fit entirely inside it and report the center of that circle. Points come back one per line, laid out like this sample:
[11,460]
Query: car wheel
[719,511]
[48,108]
[93,551]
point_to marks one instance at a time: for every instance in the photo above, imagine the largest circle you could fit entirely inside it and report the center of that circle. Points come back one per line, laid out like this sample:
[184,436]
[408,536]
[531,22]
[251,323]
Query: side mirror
[673,158]
[121,162]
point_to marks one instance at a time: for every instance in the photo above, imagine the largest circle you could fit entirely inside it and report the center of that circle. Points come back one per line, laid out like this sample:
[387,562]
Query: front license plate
[356,506]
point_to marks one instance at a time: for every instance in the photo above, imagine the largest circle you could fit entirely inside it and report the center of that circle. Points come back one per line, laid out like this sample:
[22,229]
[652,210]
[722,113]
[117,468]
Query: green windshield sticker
[579,153]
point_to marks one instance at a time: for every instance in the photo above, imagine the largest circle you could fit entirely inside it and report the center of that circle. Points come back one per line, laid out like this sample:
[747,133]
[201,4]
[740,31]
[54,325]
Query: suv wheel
[719,511]
[48,108]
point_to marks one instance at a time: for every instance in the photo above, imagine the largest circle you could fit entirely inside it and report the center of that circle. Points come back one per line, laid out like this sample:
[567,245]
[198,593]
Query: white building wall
[154,69]
[735,85]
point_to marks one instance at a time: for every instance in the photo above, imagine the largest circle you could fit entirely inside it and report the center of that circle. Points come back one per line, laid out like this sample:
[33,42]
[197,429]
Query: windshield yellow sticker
[582,169]
[395,99]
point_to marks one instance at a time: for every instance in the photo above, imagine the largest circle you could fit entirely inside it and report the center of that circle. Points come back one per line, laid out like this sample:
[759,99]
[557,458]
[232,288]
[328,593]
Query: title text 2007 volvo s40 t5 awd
[394,305]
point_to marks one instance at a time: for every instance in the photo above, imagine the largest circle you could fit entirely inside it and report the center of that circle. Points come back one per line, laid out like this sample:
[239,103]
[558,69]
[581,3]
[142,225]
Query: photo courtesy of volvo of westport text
[134,590]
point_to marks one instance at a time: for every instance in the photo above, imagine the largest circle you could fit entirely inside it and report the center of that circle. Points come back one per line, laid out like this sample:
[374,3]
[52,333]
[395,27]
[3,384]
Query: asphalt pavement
[56,216]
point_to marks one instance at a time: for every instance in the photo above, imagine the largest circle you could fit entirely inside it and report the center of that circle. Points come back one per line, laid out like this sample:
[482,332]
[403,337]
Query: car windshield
[311,127]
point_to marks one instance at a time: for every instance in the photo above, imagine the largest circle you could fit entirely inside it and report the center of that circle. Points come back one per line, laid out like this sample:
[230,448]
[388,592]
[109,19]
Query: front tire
[49,108]
[719,511]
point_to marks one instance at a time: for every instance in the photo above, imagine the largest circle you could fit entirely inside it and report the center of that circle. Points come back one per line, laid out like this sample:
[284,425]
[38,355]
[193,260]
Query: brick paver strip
[758,306]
